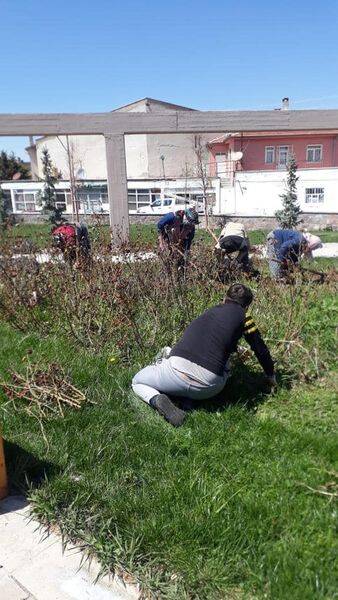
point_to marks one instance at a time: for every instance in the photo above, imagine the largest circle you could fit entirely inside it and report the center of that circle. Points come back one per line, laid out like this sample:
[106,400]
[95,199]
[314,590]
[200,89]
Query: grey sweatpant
[163,377]
[275,266]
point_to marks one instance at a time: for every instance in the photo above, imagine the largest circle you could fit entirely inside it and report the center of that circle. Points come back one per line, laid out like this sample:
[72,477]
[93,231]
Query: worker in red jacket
[73,241]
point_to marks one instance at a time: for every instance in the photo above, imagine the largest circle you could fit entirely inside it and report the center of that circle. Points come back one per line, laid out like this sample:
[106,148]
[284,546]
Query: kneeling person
[197,365]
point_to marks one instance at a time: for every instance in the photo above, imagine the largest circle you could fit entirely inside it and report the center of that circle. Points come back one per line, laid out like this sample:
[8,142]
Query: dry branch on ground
[45,393]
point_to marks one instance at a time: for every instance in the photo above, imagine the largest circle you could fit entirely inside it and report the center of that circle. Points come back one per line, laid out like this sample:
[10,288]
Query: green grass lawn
[40,234]
[222,503]
[233,504]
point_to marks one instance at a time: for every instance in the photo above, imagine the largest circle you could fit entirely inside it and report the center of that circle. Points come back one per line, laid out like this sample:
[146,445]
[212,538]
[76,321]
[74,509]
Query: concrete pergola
[115,125]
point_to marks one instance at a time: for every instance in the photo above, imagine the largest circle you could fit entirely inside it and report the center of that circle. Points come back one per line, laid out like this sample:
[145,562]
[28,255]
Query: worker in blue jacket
[176,231]
[284,249]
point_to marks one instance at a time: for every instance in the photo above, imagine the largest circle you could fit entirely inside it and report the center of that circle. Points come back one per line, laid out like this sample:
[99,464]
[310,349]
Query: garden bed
[238,502]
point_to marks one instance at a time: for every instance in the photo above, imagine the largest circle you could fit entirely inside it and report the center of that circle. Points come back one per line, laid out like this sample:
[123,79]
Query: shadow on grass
[245,388]
[25,469]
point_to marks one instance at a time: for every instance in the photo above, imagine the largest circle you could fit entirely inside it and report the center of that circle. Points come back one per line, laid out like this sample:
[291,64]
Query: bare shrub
[133,307]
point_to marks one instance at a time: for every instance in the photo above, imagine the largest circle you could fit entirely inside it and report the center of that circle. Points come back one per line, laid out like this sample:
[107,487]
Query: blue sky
[70,56]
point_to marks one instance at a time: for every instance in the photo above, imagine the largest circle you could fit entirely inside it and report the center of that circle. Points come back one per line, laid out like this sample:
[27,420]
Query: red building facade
[266,151]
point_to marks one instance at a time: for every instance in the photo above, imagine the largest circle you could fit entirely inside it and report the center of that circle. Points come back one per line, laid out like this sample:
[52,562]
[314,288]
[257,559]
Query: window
[61,200]
[314,195]
[155,193]
[269,155]
[314,153]
[90,201]
[141,197]
[283,155]
[220,163]
[24,201]
[132,201]
[167,202]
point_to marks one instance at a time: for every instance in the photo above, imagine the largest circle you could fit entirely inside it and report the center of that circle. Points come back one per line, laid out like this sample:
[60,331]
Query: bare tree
[73,165]
[202,172]
[186,173]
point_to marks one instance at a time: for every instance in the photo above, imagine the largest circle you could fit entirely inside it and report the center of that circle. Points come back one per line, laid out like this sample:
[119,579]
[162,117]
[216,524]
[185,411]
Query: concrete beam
[52,124]
[176,122]
[86,124]
[114,125]
[117,188]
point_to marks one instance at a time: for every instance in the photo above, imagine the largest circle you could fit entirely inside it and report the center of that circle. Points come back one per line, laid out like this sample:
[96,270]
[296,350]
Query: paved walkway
[34,567]
[329,250]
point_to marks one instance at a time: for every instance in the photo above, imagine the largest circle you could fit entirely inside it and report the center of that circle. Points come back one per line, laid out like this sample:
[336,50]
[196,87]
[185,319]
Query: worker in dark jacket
[285,247]
[177,229]
[197,366]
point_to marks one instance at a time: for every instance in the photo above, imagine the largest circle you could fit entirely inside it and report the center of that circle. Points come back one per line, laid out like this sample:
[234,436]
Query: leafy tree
[47,196]
[288,216]
[11,165]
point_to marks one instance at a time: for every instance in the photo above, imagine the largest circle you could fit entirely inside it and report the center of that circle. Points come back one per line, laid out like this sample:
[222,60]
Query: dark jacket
[210,339]
[171,226]
[288,243]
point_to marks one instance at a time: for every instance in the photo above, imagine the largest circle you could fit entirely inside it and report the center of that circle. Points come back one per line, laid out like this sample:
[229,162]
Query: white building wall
[257,193]
[136,156]
[253,194]
[143,155]
[30,191]
[143,152]
[178,151]
[88,152]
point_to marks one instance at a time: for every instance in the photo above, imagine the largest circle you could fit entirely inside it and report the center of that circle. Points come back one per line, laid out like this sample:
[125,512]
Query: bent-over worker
[233,238]
[176,231]
[285,248]
[73,241]
[197,366]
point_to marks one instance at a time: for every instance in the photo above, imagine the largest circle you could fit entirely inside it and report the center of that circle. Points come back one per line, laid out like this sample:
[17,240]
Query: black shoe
[168,410]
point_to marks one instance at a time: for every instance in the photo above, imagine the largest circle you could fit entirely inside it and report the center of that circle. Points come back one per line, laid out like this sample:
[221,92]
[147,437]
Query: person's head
[180,214]
[239,293]
[312,242]
[191,215]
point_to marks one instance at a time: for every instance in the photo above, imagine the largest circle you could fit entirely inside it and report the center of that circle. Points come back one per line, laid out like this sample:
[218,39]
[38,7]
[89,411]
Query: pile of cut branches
[329,489]
[45,393]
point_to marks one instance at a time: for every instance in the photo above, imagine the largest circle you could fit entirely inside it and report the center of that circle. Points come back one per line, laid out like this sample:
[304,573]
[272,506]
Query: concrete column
[117,188]
[33,156]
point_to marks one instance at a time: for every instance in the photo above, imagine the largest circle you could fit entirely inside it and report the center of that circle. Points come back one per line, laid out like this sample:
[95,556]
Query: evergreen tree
[5,211]
[2,210]
[47,196]
[11,165]
[287,217]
